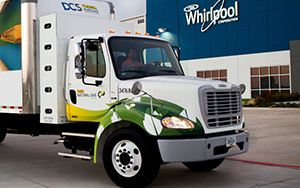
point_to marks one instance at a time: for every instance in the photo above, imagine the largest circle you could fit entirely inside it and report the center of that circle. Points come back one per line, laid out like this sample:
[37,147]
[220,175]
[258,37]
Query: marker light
[147,34]
[177,123]
[157,36]
[128,32]
[137,33]
[111,31]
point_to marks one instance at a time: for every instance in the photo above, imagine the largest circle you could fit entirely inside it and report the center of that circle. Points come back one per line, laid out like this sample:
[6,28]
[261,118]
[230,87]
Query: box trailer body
[68,74]
[27,52]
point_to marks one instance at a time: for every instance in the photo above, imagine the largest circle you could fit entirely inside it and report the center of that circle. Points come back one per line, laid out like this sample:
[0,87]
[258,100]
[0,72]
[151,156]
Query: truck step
[78,135]
[71,155]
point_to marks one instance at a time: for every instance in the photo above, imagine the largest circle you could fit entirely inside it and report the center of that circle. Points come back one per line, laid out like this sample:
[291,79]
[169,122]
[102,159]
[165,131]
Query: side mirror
[242,88]
[136,88]
[79,73]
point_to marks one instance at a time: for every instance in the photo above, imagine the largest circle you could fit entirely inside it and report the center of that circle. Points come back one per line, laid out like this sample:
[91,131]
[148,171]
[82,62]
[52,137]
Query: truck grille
[222,108]
[219,103]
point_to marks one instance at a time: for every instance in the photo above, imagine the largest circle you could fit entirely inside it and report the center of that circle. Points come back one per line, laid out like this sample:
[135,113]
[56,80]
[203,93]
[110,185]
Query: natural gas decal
[82,93]
[211,16]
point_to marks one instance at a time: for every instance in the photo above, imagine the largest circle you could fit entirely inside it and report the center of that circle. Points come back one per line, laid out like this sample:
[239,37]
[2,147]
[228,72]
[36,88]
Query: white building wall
[238,67]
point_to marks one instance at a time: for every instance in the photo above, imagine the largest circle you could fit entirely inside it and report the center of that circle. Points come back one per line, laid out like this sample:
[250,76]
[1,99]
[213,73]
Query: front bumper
[202,149]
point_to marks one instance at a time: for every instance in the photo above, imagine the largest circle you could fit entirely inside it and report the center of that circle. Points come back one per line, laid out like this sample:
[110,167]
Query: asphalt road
[272,161]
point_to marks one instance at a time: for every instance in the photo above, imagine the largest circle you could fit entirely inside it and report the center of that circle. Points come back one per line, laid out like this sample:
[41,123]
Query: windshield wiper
[139,71]
[170,71]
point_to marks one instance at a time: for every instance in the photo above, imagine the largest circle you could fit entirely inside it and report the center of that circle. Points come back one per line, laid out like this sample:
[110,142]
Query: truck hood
[183,91]
[183,81]
[176,89]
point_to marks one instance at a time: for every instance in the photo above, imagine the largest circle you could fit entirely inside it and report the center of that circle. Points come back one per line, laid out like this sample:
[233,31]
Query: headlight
[177,123]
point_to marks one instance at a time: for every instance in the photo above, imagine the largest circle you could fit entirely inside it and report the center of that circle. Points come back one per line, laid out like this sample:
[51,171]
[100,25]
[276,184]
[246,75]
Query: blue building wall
[262,26]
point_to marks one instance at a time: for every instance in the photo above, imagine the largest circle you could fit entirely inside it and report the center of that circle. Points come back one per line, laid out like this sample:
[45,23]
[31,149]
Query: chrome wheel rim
[126,158]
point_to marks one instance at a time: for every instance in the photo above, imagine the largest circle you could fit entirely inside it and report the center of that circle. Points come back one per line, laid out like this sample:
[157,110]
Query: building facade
[254,42]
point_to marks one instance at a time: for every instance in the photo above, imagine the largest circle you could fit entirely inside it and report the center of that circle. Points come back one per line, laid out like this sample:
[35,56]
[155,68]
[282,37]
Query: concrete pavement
[274,135]
[29,162]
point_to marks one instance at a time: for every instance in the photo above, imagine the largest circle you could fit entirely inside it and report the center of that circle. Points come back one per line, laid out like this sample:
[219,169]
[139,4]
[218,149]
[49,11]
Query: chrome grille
[227,121]
[221,108]
[219,103]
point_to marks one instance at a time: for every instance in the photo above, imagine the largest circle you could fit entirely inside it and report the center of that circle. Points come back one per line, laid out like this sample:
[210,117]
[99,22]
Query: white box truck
[123,98]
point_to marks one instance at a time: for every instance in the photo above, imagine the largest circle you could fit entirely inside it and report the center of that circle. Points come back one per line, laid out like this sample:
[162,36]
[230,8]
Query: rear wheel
[130,159]
[204,165]
[2,133]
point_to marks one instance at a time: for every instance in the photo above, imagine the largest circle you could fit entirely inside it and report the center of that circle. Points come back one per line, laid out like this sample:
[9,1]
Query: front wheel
[204,165]
[130,159]
[2,133]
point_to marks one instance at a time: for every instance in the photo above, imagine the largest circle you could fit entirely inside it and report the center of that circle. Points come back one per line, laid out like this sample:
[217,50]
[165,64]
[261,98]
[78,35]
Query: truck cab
[96,78]
[149,106]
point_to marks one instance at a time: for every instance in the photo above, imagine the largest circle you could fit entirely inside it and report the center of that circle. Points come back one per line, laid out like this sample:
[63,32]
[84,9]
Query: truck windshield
[139,57]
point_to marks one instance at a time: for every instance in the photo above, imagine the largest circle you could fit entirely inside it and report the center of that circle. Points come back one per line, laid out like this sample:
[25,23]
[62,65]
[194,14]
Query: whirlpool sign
[217,14]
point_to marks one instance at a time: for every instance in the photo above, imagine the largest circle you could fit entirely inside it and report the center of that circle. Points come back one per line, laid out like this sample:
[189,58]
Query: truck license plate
[230,141]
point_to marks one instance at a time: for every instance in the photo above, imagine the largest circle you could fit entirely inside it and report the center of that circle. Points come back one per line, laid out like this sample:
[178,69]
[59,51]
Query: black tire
[130,159]
[2,134]
[204,165]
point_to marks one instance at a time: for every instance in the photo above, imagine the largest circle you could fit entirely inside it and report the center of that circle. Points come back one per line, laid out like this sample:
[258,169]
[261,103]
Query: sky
[129,8]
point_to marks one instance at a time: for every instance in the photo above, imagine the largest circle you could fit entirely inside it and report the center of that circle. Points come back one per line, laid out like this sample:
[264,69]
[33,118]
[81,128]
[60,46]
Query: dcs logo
[71,6]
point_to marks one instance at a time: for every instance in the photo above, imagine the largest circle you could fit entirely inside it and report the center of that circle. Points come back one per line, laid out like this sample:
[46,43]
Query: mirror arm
[98,82]
[176,53]
[101,39]
[137,88]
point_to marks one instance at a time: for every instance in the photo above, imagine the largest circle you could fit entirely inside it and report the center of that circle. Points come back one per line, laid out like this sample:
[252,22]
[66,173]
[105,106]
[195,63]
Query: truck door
[88,87]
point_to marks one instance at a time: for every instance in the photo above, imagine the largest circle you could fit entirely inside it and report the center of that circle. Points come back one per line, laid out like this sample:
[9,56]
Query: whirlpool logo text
[216,14]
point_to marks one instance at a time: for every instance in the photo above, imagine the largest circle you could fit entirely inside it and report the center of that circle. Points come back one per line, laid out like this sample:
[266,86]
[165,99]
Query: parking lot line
[263,163]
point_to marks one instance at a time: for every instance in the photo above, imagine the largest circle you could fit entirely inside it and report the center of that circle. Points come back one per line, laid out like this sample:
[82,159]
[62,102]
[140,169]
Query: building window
[270,79]
[213,74]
